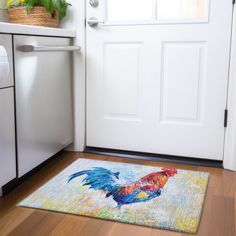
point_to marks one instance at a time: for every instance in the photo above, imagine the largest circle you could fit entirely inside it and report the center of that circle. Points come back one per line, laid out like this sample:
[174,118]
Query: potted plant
[37,12]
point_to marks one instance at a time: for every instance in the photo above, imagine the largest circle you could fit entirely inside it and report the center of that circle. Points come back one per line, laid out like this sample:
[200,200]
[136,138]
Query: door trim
[79,76]
[229,161]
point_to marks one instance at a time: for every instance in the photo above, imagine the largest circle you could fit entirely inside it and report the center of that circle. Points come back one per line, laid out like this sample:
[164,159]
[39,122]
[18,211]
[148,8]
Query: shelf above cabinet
[35,30]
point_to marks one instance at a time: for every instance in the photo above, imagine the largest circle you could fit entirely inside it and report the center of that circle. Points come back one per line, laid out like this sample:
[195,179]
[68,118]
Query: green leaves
[48,4]
[29,4]
[59,6]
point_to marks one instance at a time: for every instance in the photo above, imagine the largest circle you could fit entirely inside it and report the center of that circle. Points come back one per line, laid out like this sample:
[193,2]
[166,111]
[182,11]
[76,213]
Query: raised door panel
[182,82]
[121,76]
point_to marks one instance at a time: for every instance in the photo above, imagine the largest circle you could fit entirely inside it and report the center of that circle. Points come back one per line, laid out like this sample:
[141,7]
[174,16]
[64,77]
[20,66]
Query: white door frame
[230,135]
[76,20]
[229,161]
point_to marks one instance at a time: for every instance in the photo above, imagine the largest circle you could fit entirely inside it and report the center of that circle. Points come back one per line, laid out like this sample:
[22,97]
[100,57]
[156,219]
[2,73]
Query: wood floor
[218,217]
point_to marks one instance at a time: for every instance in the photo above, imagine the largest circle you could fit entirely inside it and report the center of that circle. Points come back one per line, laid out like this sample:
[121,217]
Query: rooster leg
[119,206]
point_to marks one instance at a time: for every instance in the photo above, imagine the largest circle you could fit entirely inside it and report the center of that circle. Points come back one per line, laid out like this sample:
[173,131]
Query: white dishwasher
[7,119]
[43,82]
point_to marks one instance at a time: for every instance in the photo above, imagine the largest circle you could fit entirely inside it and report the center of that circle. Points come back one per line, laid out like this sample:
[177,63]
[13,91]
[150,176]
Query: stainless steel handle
[32,48]
[93,21]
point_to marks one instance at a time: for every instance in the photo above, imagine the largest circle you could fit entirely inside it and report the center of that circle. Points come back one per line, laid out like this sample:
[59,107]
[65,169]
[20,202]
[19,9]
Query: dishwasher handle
[32,48]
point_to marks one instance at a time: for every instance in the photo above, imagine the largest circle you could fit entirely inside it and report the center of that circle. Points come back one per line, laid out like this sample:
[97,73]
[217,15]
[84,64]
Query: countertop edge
[8,28]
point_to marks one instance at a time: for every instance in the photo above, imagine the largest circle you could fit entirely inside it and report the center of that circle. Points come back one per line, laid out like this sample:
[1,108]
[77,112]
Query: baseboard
[154,157]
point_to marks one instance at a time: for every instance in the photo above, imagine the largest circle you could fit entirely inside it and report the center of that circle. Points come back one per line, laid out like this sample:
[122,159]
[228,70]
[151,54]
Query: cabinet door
[43,100]
[7,137]
[6,42]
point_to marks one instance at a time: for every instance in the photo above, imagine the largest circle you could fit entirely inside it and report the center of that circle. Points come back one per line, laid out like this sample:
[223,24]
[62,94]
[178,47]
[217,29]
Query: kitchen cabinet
[43,84]
[7,116]
[36,115]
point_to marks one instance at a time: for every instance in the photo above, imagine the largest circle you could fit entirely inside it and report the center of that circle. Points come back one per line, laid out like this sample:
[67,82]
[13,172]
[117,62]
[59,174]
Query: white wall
[3,13]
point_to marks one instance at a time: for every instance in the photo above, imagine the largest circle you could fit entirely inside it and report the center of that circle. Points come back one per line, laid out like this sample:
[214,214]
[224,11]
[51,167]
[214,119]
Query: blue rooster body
[142,190]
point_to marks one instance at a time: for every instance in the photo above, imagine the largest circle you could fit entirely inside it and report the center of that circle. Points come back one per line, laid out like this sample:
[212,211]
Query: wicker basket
[38,16]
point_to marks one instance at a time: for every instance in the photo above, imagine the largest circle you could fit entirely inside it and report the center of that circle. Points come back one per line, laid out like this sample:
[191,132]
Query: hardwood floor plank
[42,227]
[128,229]
[158,232]
[107,229]
[13,219]
[91,227]
[222,215]
[30,225]
[70,225]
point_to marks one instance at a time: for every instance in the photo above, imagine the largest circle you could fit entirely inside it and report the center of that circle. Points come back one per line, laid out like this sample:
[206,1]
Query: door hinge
[226,118]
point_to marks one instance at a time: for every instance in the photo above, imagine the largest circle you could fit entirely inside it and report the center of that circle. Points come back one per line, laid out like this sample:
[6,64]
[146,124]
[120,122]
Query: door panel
[126,58]
[182,82]
[159,88]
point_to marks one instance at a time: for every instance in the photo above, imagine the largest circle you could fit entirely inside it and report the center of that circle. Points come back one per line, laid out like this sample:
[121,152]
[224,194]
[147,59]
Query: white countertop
[35,30]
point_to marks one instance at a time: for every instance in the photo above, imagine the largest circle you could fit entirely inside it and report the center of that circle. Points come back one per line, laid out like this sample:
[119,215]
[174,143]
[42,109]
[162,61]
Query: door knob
[93,21]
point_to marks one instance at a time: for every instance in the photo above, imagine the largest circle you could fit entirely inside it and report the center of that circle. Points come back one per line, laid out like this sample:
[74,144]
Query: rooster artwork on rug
[142,190]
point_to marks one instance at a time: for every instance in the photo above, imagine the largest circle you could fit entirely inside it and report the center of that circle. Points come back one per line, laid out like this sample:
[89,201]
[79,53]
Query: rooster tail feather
[99,179]
[77,175]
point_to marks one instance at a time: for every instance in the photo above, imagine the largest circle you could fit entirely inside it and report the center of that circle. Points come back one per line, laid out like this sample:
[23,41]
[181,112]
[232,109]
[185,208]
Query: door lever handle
[93,21]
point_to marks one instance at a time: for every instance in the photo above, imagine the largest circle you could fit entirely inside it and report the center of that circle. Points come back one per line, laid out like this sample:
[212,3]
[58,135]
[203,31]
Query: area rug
[138,194]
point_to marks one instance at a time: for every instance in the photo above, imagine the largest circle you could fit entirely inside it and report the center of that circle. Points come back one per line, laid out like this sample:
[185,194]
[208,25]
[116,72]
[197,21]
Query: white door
[157,76]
